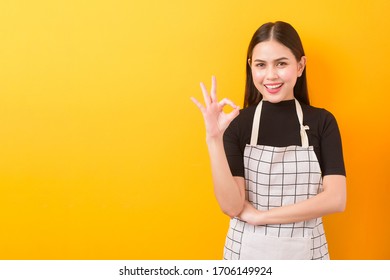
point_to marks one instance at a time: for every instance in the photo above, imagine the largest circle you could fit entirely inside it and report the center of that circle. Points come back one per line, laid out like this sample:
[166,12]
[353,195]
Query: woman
[277,165]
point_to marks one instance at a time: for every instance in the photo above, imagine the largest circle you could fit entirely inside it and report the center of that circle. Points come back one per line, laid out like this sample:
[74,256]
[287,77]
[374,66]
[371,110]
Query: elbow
[335,187]
[233,211]
[342,201]
[340,205]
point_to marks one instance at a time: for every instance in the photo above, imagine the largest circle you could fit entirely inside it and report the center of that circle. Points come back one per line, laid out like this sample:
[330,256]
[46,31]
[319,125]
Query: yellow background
[102,153]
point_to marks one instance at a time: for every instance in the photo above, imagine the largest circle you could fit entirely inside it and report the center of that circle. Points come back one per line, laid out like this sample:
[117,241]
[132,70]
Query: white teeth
[273,86]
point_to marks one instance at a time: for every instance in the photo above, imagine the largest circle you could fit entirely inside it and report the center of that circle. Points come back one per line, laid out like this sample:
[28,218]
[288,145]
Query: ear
[249,62]
[301,65]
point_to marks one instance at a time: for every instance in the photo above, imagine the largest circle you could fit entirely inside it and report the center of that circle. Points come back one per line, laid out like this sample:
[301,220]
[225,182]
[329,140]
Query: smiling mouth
[275,86]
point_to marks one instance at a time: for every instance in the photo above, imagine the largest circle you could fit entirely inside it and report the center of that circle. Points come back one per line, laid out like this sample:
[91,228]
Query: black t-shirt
[279,127]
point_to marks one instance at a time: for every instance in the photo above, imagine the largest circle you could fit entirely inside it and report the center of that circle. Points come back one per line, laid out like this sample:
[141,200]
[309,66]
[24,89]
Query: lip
[273,88]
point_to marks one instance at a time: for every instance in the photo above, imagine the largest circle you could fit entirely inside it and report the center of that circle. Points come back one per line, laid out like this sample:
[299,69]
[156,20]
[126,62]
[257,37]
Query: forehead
[270,50]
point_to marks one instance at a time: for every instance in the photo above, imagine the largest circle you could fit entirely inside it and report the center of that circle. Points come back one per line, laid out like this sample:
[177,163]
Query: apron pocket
[263,247]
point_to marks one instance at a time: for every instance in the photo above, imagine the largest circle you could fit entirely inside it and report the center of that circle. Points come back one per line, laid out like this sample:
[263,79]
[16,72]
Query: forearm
[312,208]
[331,200]
[230,195]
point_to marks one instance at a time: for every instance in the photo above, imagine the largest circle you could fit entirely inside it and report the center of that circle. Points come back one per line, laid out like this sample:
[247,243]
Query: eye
[260,64]
[281,64]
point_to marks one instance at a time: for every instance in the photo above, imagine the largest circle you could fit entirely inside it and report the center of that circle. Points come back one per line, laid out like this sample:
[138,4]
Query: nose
[271,73]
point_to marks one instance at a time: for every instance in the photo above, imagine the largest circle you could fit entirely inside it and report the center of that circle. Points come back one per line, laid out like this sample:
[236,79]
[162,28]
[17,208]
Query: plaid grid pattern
[279,176]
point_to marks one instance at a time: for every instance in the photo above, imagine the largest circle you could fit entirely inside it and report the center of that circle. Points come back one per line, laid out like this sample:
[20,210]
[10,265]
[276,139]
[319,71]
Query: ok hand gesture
[215,119]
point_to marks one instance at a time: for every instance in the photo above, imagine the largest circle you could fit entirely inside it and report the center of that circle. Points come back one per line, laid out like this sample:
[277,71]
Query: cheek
[288,74]
[258,80]
[257,75]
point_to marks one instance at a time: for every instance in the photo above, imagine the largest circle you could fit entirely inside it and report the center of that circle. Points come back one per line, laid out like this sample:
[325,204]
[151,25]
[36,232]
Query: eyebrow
[278,59]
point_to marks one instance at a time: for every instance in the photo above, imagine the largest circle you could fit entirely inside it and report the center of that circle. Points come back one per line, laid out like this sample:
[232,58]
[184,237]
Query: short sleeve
[332,161]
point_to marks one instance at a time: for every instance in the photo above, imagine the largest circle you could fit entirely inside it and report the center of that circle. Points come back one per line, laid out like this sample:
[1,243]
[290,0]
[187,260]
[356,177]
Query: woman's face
[275,70]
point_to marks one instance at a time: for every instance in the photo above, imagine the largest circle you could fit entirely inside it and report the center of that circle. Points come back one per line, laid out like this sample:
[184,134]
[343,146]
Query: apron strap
[256,125]
[303,128]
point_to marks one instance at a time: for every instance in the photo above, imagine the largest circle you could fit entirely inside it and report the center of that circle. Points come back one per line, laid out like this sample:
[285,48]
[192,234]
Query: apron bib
[275,177]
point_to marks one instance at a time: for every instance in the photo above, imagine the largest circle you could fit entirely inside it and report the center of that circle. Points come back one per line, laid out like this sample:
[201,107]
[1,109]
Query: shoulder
[246,113]
[244,118]
[315,110]
[240,128]
[319,117]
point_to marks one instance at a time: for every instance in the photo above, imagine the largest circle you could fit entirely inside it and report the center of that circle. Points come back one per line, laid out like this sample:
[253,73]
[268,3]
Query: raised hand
[215,119]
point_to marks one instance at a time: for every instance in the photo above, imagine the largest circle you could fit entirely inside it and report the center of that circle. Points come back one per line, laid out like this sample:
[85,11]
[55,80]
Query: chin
[276,98]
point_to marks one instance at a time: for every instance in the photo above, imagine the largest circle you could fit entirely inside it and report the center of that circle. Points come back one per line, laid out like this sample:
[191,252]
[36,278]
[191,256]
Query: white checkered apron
[275,177]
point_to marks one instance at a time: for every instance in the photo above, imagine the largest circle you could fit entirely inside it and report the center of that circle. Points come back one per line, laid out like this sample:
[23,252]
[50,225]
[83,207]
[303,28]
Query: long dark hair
[285,34]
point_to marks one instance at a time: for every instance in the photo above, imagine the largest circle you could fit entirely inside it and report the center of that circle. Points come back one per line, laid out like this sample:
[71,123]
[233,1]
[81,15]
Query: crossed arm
[331,200]
[230,194]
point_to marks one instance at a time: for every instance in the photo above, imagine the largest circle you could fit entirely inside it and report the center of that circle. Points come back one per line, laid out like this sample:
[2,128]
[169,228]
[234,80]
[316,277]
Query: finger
[214,89]
[198,104]
[226,101]
[206,96]
[236,109]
